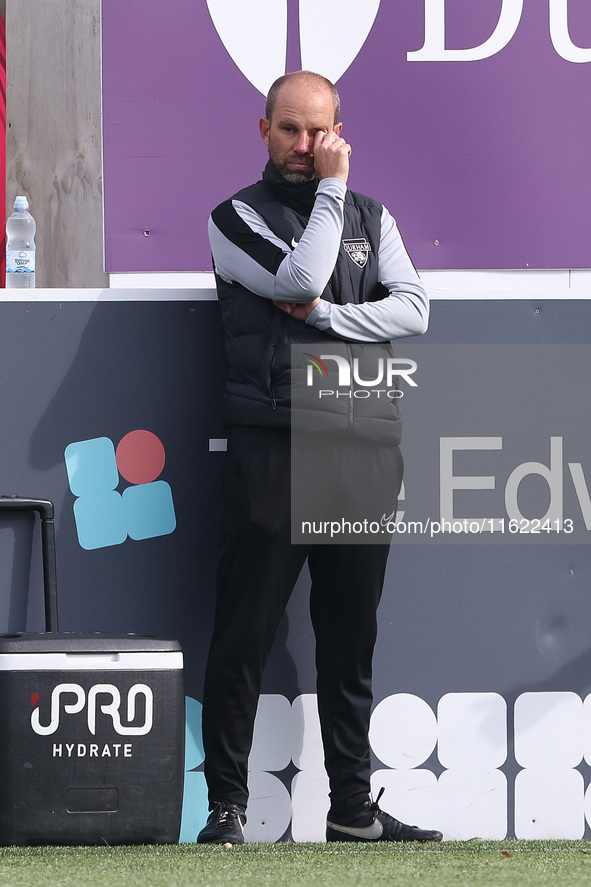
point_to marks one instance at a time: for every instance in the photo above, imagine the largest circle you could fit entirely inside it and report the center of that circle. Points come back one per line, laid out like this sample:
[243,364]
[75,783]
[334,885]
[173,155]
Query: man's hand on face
[331,156]
[297,310]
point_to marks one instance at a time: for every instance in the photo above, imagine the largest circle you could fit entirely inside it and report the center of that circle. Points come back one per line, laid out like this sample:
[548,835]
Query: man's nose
[302,146]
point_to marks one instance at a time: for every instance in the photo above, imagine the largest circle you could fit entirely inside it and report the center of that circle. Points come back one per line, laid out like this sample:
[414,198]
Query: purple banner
[469,120]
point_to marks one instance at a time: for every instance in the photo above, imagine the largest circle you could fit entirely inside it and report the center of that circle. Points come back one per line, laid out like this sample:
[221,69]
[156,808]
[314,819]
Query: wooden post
[2,137]
[54,138]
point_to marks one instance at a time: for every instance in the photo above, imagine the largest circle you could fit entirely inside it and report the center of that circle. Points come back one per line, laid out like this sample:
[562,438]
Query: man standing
[285,275]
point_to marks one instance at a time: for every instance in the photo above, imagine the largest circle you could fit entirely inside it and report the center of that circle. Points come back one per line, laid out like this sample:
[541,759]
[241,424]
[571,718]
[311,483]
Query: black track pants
[258,569]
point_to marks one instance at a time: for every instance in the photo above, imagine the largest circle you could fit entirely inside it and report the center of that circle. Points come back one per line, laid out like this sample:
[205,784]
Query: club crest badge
[358,251]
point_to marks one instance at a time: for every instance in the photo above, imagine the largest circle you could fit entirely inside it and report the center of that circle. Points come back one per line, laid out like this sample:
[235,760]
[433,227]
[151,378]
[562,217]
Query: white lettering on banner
[553,475]
[433,49]
[559,32]
[582,491]
[111,708]
[448,482]
[333,32]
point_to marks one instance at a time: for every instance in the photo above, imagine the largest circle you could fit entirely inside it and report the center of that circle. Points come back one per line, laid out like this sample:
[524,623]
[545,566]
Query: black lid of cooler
[84,642]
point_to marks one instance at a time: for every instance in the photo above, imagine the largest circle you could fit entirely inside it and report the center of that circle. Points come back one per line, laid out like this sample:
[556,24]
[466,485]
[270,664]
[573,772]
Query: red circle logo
[140,457]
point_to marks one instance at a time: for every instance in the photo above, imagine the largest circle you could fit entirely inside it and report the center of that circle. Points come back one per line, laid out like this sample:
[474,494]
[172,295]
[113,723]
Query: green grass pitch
[451,864]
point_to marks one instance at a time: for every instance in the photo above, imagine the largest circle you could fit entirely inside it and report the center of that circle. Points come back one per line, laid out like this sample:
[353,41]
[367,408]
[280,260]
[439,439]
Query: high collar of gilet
[297,195]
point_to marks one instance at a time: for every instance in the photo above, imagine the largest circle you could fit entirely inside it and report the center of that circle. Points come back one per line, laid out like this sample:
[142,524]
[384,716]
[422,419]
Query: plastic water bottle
[20,247]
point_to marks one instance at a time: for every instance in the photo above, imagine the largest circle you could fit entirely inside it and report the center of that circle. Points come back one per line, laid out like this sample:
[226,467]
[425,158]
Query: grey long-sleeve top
[302,269]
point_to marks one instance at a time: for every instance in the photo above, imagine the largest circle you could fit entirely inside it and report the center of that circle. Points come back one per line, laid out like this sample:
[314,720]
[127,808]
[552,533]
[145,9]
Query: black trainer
[383,827]
[224,824]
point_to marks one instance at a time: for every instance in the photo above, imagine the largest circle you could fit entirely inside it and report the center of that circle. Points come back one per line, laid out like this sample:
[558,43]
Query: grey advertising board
[495,624]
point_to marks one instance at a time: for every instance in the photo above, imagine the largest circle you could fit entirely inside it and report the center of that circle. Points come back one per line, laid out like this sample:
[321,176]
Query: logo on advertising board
[106,517]
[102,703]
[331,35]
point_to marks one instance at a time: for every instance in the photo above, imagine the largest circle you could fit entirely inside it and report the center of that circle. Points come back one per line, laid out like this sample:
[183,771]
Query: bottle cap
[21,204]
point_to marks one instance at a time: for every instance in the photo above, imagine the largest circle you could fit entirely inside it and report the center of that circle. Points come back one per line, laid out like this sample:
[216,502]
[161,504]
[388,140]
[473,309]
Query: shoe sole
[342,837]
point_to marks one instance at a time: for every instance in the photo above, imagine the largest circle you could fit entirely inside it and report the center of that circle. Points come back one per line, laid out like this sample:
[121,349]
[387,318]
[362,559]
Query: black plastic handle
[45,510]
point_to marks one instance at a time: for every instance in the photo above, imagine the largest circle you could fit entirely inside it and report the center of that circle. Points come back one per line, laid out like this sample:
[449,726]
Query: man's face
[300,112]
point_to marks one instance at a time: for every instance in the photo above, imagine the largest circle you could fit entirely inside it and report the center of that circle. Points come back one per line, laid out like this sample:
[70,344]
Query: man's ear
[337,128]
[264,126]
